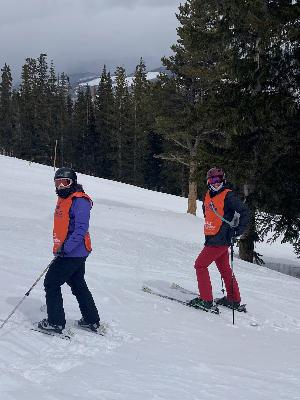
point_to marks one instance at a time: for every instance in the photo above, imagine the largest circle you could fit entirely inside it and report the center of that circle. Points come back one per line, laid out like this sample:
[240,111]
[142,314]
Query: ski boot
[45,325]
[203,305]
[223,301]
[88,326]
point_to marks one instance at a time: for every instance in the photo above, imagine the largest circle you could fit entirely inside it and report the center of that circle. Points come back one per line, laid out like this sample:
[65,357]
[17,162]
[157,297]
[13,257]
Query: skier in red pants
[220,204]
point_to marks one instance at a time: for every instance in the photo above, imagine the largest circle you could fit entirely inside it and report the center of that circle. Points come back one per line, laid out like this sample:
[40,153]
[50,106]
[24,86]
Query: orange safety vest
[62,220]
[213,223]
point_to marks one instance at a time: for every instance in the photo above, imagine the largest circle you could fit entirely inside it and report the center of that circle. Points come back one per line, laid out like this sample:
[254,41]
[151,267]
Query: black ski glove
[60,252]
[236,232]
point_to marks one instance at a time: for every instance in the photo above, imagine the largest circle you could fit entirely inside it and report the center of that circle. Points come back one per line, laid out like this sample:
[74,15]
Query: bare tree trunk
[246,242]
[183,181]
[193,188]
[190,146]
[248,239]
[55,155]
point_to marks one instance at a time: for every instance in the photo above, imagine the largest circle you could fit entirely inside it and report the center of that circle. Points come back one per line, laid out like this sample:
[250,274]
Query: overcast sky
[82,35]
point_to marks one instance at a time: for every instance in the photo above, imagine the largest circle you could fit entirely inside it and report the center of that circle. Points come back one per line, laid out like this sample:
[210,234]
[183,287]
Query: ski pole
[232,226]
[214,210]
[232,277]
[222,283]
[27,293]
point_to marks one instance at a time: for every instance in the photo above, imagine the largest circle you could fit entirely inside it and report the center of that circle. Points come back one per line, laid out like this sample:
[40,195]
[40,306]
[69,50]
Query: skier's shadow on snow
[30,308]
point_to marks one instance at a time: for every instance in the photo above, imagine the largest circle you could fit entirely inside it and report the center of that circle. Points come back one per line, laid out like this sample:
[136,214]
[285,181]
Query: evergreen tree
[234,95]
[189,103]
[142,122]
[153,173]
[83,137]
[27,109]
[16,126]
[42,149]
[6,112]
[35,114]
[122,166]
[63,109]
[104,114]
[260,110]
[53,116]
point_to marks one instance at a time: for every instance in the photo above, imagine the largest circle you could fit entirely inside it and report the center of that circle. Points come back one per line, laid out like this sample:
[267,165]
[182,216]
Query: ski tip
[146,289]
[174,285]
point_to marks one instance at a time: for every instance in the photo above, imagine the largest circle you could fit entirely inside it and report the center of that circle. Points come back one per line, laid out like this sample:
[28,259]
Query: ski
[182,289]
[65,336]
[101,330]
[184,295]
[241,308]
[146,289]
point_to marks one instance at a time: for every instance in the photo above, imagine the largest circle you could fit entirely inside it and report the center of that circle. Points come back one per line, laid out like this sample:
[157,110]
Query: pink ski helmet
[215,172]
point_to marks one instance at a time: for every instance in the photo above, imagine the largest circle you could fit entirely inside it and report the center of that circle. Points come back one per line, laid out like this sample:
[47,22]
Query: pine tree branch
[171,157]
[180,144]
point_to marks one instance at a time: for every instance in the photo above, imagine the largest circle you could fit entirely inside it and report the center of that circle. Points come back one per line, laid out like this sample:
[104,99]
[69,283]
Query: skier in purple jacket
[72,245]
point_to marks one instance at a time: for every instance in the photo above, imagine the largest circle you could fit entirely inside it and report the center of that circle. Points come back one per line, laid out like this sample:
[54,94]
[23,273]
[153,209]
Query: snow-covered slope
[129,80]
[154,349]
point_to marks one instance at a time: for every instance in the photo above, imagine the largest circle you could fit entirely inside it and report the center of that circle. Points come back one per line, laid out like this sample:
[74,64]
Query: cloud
[78,32]
[14,11]
[136,3]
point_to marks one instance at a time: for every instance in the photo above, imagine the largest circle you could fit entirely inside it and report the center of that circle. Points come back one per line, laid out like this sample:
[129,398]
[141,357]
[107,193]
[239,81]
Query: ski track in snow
[154,349]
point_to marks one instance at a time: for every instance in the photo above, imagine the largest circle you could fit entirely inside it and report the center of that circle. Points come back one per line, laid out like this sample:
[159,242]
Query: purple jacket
[79,224]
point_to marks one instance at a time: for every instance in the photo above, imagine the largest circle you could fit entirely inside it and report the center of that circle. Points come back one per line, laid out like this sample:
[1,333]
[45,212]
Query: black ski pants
[68,270]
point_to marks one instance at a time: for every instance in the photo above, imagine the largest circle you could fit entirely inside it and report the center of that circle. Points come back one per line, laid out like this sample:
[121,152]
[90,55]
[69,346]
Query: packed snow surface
[154,349]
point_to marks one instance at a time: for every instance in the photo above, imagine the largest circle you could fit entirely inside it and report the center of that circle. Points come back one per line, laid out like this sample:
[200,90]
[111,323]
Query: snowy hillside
[129,80]
[154,349]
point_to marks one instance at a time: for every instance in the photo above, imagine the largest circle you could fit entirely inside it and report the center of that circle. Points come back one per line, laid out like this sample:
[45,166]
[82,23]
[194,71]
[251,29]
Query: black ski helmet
[215,172]
[66,172]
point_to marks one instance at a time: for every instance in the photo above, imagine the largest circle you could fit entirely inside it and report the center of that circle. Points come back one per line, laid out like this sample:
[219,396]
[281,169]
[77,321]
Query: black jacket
[232,204]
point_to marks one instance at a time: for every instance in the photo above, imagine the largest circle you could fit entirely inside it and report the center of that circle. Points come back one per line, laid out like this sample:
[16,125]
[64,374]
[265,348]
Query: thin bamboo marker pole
[55,155]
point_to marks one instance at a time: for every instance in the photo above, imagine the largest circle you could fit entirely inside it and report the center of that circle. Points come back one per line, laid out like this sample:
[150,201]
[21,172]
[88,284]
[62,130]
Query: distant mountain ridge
[151,75]
[92,80]
[79,77]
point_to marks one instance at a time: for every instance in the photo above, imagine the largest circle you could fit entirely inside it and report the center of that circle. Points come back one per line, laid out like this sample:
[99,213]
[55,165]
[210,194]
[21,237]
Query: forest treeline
[230,98]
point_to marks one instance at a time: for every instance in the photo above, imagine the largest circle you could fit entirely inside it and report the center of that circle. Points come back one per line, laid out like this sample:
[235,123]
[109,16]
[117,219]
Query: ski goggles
[63,182]
[214,179]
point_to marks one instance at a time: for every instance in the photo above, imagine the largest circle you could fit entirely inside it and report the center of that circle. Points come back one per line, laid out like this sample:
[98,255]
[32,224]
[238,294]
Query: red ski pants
[220,255]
